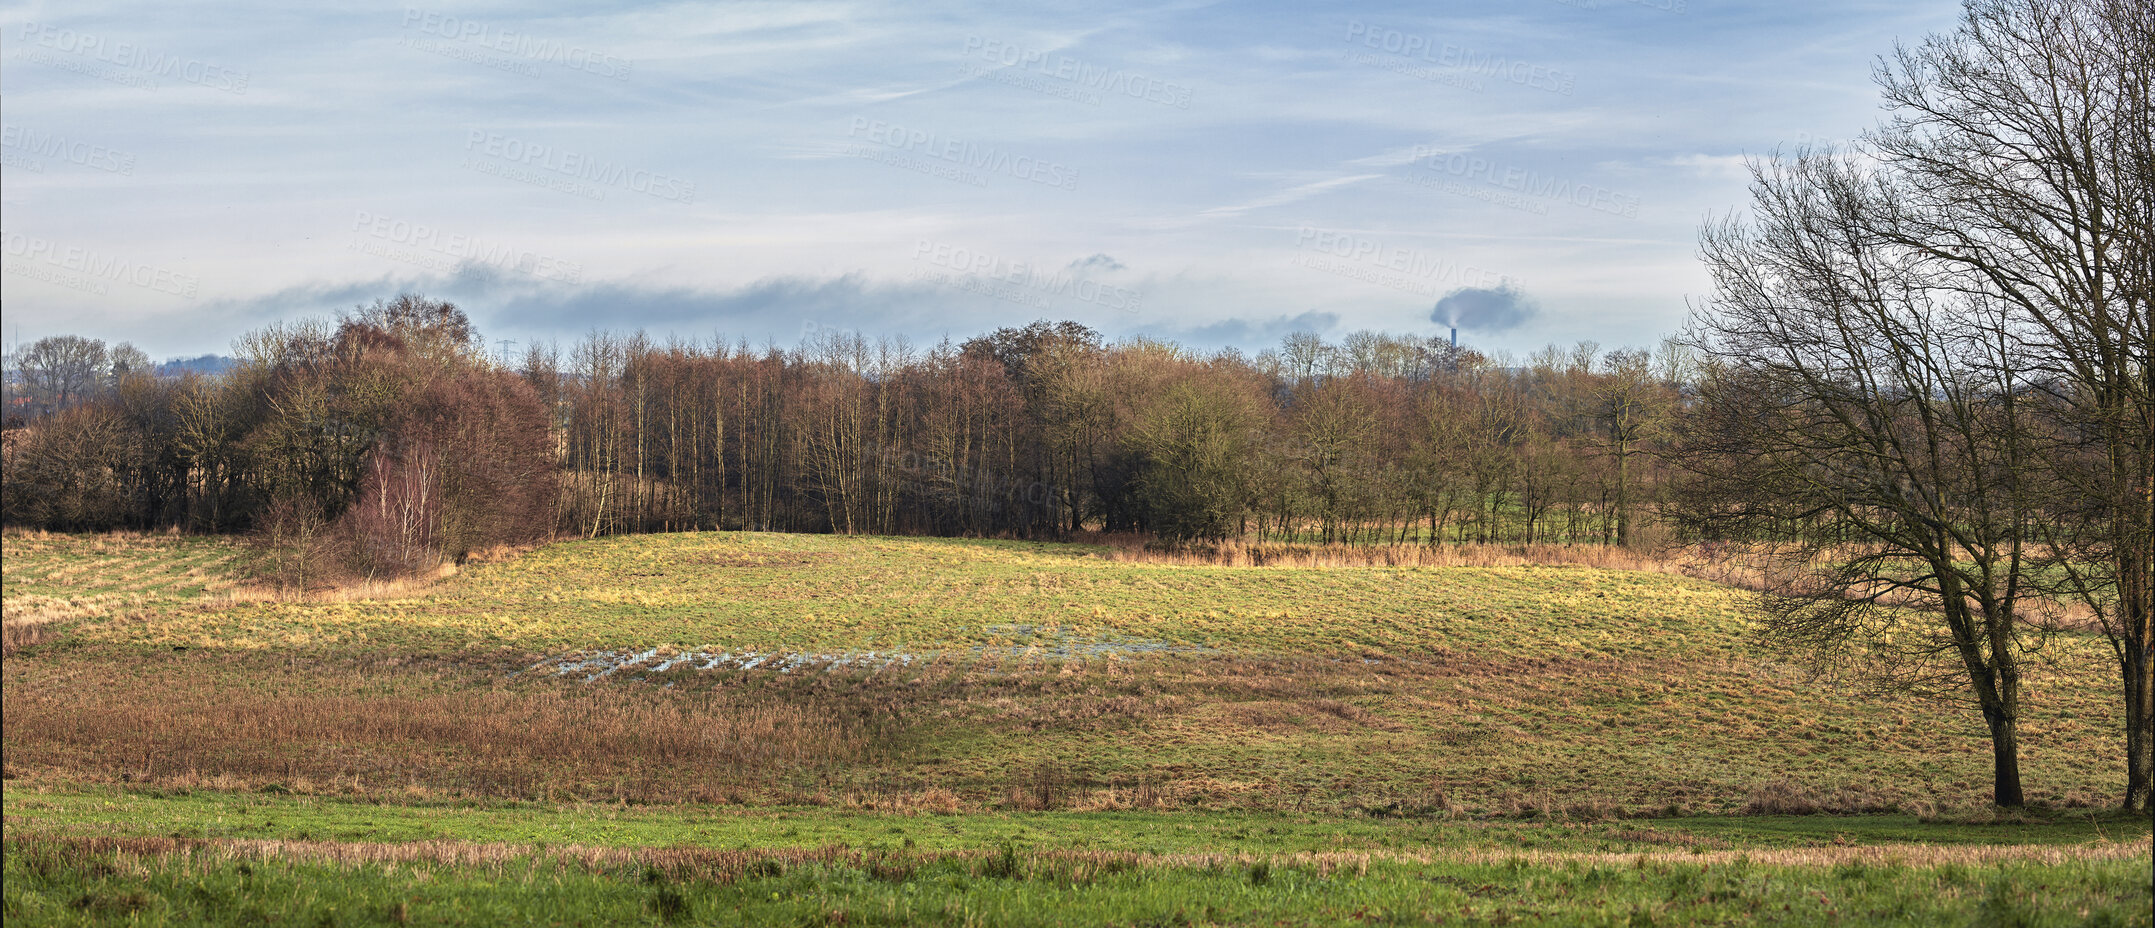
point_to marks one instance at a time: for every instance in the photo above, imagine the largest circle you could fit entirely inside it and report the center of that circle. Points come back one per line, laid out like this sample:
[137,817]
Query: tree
[71,471]
[2022,159]
[61,371]
[1631,407]
[1929,366]
[123,360]
[1858,427]
[1199,440]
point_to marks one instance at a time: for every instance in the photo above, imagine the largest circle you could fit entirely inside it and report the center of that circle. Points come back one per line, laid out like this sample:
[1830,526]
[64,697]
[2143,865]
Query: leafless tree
[2021,153]
[61,371]
[1860,430]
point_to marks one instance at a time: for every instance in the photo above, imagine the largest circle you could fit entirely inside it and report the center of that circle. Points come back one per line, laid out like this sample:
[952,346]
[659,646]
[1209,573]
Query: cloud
[1246,333]
[1484,309]
[1289,195]
[1714,167]
[1098,262]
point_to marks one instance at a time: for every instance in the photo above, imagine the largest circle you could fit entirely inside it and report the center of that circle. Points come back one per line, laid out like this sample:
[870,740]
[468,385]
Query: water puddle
[641,663]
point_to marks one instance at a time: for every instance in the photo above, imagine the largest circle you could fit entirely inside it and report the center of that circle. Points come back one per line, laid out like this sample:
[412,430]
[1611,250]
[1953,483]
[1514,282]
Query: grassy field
[1008,724]
[54,580]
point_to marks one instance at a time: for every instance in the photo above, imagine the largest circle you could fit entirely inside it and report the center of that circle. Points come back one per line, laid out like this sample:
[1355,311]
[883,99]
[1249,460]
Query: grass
[206,815]
[54,580]
[98,881]
[1037,679]
[818,593]
[1139,734]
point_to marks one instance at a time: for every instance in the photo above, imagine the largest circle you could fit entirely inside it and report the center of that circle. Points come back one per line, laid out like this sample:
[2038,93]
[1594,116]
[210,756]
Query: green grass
[214,815]
[59,883]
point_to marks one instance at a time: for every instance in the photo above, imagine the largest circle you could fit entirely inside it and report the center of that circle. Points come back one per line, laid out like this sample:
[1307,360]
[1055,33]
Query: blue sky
[1220,174]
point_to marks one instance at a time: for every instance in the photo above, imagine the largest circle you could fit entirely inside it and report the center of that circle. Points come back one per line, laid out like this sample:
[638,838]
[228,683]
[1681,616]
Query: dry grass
[55,580]
[419,734]
[14,636]
[1725,565]
[721,865]
[1509,691]
[1135,549]
[1787,797]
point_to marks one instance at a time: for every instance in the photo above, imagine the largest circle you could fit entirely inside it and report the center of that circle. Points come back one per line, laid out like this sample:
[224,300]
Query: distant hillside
[201,364]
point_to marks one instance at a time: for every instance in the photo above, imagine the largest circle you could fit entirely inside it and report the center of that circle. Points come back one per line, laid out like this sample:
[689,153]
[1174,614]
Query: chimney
[1455,336]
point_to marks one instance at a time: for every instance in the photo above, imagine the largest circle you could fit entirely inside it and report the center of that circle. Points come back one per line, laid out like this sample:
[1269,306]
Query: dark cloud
[1248,334]
[1483,309]
[776,310]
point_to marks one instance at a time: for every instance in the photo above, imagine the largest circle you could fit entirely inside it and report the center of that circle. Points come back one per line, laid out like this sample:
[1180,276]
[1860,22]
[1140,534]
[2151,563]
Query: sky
[1219,174]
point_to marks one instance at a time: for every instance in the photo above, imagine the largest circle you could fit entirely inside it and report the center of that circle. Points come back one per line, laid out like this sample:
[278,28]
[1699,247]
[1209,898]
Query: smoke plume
[1484,310]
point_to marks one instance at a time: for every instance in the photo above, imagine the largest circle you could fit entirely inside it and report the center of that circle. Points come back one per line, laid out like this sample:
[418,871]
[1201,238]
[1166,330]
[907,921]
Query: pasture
[817,728]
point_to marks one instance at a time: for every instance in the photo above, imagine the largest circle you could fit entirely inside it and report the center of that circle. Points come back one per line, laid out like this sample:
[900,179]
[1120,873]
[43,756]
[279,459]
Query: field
[753,727]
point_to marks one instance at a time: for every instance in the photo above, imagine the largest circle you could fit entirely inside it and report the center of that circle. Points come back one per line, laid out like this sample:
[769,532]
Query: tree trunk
[2139,714]
[2005,758]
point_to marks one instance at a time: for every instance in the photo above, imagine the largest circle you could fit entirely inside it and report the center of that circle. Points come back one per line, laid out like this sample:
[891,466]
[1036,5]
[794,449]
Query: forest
[395,413]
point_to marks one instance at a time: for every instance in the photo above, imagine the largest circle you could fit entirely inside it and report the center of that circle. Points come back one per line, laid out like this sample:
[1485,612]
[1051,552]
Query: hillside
[885,671]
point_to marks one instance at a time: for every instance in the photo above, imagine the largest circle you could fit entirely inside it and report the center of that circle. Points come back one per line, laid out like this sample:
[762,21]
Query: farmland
[998,721]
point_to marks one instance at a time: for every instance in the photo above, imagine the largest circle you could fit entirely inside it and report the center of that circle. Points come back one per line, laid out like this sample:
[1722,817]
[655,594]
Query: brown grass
[134,855]
[1787,797]
[419,733]
[1134,548]
[17,635]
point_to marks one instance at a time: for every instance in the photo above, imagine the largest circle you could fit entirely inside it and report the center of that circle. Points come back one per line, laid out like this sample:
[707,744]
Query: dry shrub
[17,635]
[1044,788]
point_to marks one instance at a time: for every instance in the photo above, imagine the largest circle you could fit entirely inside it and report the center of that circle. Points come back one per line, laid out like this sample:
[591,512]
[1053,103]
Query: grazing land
[736,727]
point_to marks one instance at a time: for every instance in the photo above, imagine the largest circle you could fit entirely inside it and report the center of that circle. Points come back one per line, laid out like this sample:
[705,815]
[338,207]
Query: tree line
[1035,431]
[379,446]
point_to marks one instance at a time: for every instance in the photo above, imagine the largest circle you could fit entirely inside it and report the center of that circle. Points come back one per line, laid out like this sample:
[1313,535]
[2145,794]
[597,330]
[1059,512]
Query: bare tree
[61,371]
[1861,430]
[2021,153]
[1631,406]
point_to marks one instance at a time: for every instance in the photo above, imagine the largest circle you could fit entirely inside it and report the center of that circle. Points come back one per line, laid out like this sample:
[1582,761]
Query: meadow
[798,728]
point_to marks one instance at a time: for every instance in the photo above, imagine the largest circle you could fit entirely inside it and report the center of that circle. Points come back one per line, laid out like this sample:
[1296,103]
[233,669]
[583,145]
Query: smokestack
[1455,336]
